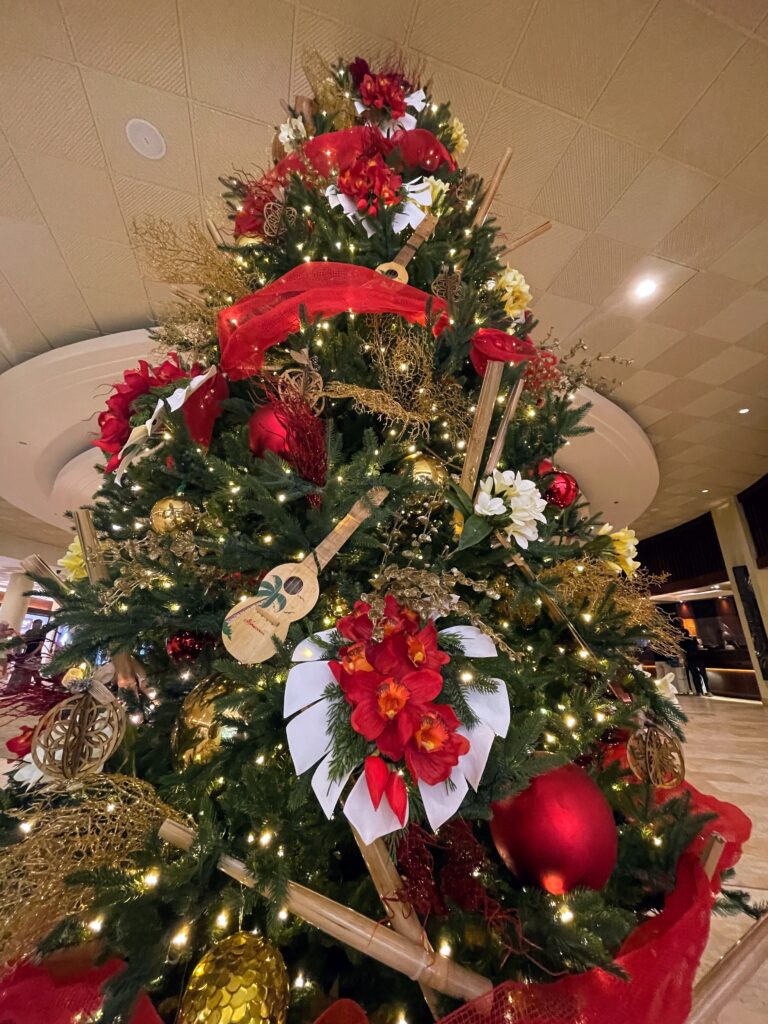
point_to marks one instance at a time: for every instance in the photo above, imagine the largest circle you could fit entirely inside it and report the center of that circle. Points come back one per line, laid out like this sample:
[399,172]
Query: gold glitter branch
[187,256]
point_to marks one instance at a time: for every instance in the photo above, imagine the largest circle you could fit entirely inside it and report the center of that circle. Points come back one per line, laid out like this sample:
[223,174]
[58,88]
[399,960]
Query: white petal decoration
[306,683]
[417,100]
[326,790]
[474,643]
[491,707]
[308,736]
[369,822]
[308,650]
[473,763]
[419,191]
[409,217]
[441,801]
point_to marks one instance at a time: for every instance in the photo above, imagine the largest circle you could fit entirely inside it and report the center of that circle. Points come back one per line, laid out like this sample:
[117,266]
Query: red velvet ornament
[563,490]
[267,432]
[558,833]
[187,645]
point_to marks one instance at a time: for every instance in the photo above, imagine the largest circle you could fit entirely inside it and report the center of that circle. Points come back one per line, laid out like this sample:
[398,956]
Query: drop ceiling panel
[645,343]
[747,13]
[543,258]
[35,25]
[752,173]
[558,315]
[693,302]
[719,220]
[16,199]
[392,23]
[740,318]
[245,143]
[685,355]
[595,269]
[747,259]
[139,199]
[725,365]
[20,337]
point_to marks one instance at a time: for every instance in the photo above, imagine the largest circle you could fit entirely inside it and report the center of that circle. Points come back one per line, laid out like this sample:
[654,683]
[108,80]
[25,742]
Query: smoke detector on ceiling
[145,138]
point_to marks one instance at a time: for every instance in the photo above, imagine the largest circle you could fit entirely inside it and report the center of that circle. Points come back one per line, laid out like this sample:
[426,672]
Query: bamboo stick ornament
[493,188]
[95,565]
[727,977]
[489,392]
[529,236]
[216,236]
[353,929]
[501,434]
[37,566]
[401,915]
[190,297]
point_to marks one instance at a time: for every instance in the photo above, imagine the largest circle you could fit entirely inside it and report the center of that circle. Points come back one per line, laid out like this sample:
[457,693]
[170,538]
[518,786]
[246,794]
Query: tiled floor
[727,756]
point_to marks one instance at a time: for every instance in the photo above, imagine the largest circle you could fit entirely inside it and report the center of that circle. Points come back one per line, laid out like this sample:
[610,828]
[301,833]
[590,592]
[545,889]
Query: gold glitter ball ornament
[196,735]
[240,980]
[171,514]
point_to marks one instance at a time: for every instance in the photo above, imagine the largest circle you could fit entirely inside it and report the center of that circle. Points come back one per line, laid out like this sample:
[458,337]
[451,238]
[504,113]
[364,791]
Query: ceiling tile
[653,88]
[646,415]
[139,40]
[115,101]
[595,269]
[663,193]
[471,97]
[742,439]
[160,297]
[43,107]
[118,311]
[35,25]
[222,68]
[752,173]
[440,29]
[719,220]
[747,13]
[513,221]
[646,342]
[726,364]
[747,259]
[6,153]
[603,332]
[668,278]
[685,355]
[735,103]
[16,199]
[102,265]
[750,383]
[139,199]
[678,394]
[583,42]
[704,429]
[694,301]
[558,315]
[740,318]
[74,197]
[366,14]
[641,386]
[595,170]
[333,39]
[539,137]
[671,425]
[20,337]
[226,143]
[757,340]
[543,258]
[713,402]
[762,28]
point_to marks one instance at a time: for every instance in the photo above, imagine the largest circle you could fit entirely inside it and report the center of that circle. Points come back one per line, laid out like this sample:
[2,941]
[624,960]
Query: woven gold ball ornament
[240,980]
[196,735]
[171,514]
[656,756]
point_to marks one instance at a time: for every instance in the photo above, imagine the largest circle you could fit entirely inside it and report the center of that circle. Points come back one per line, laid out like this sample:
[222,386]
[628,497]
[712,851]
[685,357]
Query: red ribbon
[497,346]
[201,408]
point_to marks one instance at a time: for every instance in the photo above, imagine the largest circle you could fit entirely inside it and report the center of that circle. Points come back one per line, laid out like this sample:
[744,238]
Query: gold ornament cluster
[171,514]
[196,735]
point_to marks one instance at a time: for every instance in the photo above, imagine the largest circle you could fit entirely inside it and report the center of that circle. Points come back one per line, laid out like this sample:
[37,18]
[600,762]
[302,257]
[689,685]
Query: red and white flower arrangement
[385,682]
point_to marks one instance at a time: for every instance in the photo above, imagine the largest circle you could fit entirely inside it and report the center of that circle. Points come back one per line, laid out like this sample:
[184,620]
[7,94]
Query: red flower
[357,625]
[435,747]
[387,710]
[383,782]
[358,69]
[249,219]
[490,343]
[114,422]
[369,181]
[398,618]
[384,92]
[401,652]
[353,658]
[22,744]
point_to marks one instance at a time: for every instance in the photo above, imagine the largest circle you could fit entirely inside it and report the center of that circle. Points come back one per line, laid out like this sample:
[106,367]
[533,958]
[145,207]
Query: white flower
[525,503]
[438,188]
[517,294]
[292,133]
[489,506]
[621,554]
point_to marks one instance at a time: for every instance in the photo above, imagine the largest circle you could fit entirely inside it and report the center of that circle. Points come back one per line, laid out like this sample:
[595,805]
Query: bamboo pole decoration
[529,236]
[401,915]
[493,188]
[501,434]
[89,542]
[34,565]
[216,236]
[190,297]
[718,986]
[711,854]
[353,929]
[489,392]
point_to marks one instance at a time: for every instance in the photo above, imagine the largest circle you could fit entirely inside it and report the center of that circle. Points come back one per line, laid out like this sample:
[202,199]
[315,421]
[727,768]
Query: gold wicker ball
[171,514]
[240,980]
[196,735]
[77,736]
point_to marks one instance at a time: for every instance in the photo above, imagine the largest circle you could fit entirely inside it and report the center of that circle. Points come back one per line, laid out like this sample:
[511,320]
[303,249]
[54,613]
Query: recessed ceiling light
[645,288]
[705,490]
[743,412]
[145,138]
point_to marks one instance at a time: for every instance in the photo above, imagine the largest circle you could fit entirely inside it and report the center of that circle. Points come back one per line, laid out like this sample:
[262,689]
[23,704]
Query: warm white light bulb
[645,288]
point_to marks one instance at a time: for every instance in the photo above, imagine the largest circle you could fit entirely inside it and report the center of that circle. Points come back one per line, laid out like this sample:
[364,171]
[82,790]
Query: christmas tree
[361,623]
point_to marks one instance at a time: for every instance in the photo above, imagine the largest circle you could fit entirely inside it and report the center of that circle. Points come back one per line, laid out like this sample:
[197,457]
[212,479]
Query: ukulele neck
[343,530]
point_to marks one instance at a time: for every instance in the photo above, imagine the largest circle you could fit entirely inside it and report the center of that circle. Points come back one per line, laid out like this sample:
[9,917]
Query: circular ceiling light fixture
[743,412]
[145,138]
[645,288]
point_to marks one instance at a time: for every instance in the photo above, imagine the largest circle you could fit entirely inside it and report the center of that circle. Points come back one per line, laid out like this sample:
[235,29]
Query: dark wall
[754,501]
[690,554]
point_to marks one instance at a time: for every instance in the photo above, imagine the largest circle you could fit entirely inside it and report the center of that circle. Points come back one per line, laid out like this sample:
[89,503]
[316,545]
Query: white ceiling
[640,130]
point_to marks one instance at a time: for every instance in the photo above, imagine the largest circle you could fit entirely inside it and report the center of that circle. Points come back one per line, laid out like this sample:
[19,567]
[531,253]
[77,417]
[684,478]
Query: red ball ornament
[267,432]
[563,490]
[187,645]
[558,833]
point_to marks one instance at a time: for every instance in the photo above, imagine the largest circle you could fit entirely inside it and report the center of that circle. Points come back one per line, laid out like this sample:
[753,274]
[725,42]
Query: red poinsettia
[114,422]
[369,180]
[384,92]
[435,747]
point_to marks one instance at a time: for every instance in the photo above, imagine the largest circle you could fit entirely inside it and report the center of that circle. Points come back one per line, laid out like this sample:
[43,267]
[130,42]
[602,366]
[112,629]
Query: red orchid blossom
[435,747]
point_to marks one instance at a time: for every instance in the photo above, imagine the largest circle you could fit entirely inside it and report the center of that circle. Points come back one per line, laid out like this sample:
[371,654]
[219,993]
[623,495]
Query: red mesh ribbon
[335,151]
[202,407]
[264,319]
[33,995]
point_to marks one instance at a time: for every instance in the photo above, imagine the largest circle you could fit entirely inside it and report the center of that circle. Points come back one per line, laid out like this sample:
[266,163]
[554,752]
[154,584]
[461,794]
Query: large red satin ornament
[563,490]
[187,645]
[558,833]
[267,432]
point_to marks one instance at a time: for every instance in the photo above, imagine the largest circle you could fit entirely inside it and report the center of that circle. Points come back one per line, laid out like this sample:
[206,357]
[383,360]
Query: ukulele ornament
[288,592]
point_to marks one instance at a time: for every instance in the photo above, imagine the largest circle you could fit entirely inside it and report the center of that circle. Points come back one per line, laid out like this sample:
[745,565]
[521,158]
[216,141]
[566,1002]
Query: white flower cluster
[515,501]
[292,133]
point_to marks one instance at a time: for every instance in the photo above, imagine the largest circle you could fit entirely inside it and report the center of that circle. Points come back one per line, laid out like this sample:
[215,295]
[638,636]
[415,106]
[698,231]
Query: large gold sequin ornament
[656,756]
[196,735]
[171,514]
[240,980]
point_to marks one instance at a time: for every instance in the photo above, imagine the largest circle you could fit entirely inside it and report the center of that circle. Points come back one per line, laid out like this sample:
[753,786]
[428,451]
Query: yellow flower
[623,548]
[459,140]
[73,562]
[517,294]
[438,189]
